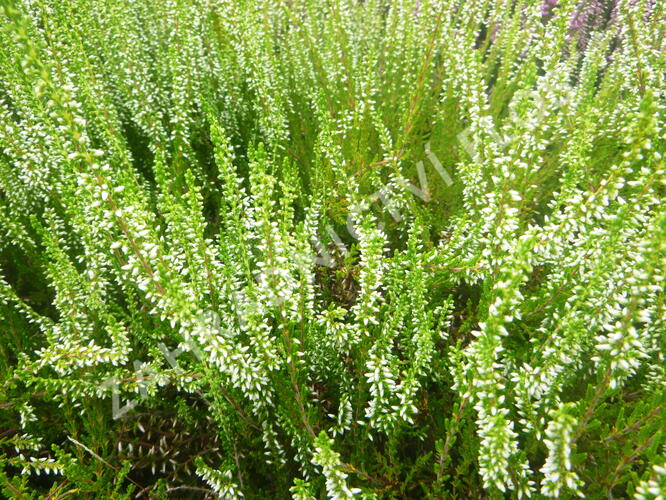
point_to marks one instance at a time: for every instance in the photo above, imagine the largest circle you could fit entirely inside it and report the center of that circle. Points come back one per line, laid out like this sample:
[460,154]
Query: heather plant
[332,249]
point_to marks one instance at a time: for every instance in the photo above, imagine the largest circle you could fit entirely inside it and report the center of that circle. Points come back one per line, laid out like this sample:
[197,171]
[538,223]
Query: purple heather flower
[547,9]
[589,15]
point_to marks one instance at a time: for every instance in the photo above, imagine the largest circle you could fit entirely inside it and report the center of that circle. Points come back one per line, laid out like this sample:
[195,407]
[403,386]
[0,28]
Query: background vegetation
[406,248]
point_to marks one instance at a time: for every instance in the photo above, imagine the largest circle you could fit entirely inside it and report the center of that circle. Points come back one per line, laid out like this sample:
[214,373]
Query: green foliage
[332,248]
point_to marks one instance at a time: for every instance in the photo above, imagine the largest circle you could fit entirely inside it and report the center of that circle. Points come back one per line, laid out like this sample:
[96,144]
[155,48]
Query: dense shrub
[310,248]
